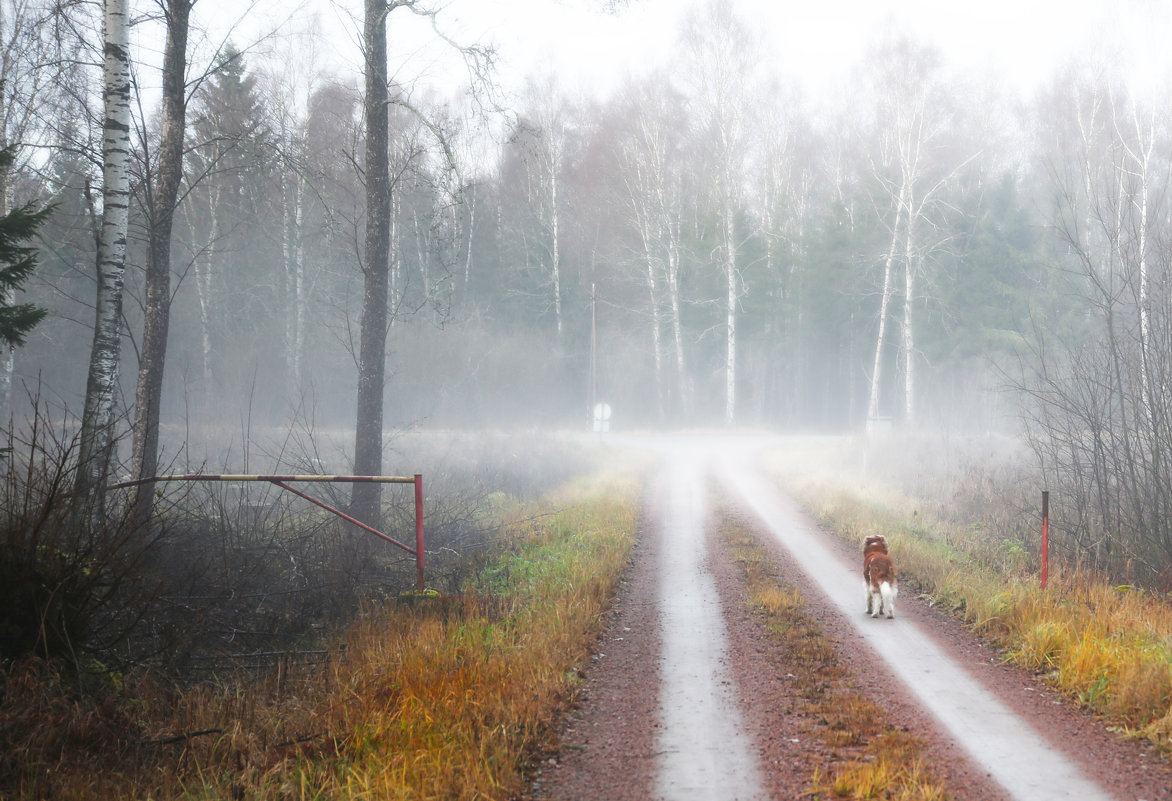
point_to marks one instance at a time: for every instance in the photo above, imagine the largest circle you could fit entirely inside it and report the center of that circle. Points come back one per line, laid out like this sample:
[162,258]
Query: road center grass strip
[868,755]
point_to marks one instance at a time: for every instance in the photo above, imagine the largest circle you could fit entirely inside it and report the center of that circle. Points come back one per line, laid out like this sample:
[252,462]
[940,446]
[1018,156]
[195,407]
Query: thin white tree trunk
[204,269]
[554,244]
[1145,142]
[470,205]
[730,277]
[909,335]
[884,303]
[97,428]
[653,304]
[677,328]
[730,266]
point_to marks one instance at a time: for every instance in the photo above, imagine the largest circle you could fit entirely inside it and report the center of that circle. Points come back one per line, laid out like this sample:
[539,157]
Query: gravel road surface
[686,696]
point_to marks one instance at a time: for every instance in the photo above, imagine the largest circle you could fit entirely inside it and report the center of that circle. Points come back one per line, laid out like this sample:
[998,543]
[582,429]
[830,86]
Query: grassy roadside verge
[440,698]
[868,755]
[1109,648]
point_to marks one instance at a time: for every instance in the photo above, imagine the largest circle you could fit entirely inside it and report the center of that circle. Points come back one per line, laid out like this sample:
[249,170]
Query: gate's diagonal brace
[281,480]
[340,514]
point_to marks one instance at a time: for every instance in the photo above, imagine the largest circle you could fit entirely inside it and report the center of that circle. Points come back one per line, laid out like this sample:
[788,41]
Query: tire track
[704,750]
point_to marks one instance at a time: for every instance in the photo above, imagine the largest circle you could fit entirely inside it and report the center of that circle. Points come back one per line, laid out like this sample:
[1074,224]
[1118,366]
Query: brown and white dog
[879,574]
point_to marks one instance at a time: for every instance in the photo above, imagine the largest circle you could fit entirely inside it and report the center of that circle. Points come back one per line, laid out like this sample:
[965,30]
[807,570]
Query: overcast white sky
[814,41]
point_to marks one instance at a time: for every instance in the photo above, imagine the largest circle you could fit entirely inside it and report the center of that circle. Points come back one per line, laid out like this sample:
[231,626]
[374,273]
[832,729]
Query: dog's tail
[887,591]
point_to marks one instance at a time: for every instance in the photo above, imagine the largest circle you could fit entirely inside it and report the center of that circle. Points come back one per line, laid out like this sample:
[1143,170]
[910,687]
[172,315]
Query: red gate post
[1045,537]
[418,532]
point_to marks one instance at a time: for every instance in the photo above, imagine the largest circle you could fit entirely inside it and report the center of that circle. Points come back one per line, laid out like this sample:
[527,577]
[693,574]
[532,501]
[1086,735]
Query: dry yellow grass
[1108,647]
[449,704]
[445,698]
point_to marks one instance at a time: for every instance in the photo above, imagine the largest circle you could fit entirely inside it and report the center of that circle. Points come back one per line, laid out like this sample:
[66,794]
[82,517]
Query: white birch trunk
[649,247]
[730,265]
[909,335]
[204,270]
[554,244]
[470,205]
[1145,143]
[97,427]
[884,303]
[677,328]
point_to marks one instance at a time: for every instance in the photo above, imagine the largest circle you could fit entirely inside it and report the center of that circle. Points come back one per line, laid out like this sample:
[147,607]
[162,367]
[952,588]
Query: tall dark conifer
[18,261]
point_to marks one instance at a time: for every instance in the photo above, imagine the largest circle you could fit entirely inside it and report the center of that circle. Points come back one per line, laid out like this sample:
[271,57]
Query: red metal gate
[283,481]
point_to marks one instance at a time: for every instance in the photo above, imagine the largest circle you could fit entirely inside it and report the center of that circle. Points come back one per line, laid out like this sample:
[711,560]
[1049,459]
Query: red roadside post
[1045,537]
[418,532]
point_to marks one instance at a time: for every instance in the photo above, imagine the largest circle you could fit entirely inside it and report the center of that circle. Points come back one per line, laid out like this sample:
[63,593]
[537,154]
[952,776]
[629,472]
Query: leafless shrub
[237,574]
[1098,393]
[71,577]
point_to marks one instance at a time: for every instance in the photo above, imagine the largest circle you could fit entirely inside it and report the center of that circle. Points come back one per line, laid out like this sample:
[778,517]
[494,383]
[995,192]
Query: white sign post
[602,417]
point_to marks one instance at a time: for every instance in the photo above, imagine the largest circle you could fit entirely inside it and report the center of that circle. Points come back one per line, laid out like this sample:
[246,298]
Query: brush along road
[689,697]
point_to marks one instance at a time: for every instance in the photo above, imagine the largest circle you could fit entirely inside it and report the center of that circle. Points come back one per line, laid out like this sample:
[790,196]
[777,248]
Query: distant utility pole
[593,353]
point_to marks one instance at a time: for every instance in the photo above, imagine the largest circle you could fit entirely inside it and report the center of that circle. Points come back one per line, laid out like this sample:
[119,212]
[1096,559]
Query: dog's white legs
[887,593]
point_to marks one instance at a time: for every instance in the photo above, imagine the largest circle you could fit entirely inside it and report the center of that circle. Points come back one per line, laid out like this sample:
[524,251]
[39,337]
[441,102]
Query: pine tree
[18,260]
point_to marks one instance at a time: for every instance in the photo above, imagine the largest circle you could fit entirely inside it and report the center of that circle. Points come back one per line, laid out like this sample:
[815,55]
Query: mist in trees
[711,243]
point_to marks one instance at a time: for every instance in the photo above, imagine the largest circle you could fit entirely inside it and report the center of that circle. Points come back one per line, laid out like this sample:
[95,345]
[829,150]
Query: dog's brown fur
[879,575]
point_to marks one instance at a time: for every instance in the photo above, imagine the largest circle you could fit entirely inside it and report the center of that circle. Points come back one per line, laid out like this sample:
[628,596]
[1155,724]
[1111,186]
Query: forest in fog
[705,245]
[708,244]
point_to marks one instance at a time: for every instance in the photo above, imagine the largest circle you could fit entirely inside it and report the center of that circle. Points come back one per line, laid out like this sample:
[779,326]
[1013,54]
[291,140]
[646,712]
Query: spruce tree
[18,260]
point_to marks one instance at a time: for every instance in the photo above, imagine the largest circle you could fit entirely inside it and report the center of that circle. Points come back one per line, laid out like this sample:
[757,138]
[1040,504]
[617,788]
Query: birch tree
[97,425]
[550,118]
[913,166]
[724,59]
[290,93]
[651,160]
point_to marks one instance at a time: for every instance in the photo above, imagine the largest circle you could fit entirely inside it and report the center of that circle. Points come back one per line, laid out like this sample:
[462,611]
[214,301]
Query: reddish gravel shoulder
[607,745]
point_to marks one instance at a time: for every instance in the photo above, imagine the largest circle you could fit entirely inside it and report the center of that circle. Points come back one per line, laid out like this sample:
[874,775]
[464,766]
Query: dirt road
[687,699]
